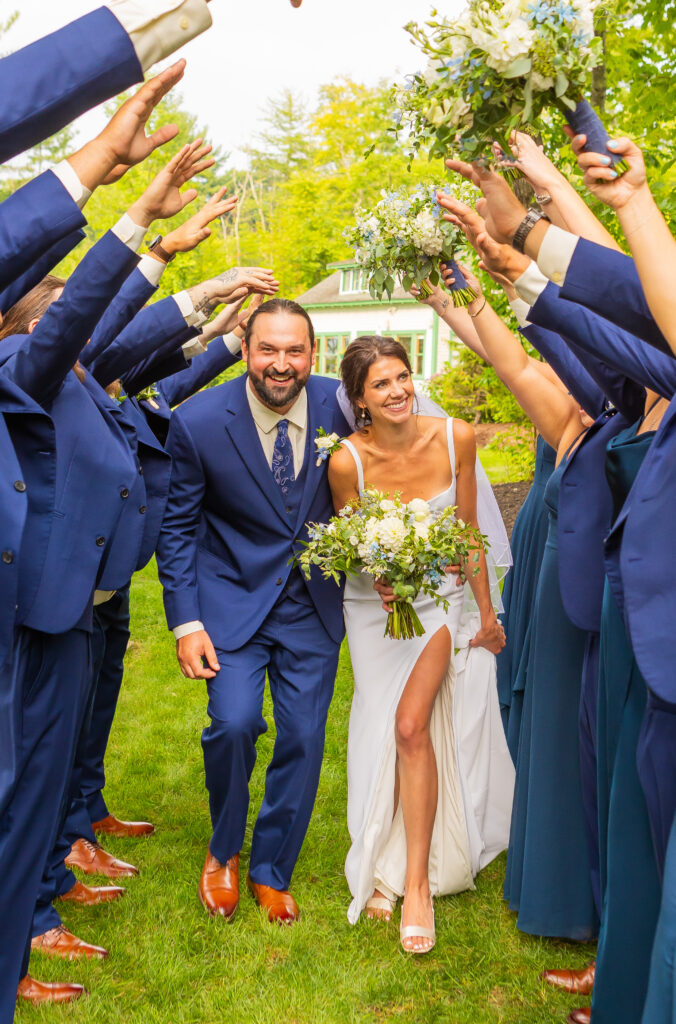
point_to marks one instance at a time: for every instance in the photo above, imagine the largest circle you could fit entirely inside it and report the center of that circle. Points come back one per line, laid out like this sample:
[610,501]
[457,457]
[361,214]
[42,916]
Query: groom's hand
[191,649]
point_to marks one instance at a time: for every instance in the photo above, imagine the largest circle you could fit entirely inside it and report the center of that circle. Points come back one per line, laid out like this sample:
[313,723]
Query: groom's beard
[276,395]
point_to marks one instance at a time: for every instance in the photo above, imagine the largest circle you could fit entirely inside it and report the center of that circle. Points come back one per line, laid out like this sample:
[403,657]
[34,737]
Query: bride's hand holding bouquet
[407,545]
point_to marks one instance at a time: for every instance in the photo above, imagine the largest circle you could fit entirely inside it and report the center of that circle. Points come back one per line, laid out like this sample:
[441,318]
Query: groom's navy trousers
[300,659]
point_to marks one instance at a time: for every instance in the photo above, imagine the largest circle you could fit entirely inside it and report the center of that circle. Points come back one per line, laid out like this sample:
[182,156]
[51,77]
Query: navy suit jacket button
[19,485]
[124,493]
[7,557]
[279,581]
[142,510]
[100,541]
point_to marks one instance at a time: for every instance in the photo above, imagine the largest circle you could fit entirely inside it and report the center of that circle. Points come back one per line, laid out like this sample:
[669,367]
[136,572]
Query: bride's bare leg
[418,779]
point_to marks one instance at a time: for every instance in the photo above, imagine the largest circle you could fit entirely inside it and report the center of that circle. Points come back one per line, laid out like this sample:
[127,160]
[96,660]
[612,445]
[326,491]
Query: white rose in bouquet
[420,509]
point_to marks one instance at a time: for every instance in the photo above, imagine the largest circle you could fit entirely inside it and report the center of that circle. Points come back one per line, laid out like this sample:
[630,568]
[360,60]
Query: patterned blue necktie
[282,459]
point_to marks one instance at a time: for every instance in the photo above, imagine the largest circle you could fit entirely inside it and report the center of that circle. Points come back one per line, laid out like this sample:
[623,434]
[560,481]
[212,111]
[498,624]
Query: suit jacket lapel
[242,431]
[320,413]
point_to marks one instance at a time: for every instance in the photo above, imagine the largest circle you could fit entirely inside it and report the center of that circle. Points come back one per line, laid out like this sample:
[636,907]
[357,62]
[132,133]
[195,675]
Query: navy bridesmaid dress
[630,881]
[548,879]
[518,596]
[660,1005]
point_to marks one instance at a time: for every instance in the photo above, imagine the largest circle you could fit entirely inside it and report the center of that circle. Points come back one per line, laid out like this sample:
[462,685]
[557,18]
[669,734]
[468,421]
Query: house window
[329,350]
[353,280]
[415,346]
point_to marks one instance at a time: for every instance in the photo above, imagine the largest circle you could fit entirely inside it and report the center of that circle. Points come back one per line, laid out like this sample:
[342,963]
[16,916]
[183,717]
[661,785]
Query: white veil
[499,554]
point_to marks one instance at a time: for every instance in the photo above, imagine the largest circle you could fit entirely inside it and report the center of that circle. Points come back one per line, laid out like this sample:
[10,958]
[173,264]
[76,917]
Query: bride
[413,823]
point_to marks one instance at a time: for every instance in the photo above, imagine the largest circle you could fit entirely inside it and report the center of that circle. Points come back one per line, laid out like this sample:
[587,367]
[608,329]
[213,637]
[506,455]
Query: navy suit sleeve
[568,367]
[36,216]
[155,369]
[177,545]
[608,283]
[200,371]
[51,82]
[129,301]
[151,330]
[593,334]
[38,362]
[43,265]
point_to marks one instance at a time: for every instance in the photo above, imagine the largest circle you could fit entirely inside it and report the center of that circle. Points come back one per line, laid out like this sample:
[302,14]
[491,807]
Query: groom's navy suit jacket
[227,538]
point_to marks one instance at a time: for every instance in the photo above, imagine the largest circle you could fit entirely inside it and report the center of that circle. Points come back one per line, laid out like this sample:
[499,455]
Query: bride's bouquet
[408,545]
[494,68]
[404,236]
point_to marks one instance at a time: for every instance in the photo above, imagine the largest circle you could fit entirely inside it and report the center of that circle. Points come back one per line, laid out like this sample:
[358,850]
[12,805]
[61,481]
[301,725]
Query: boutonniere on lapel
[149,394]
[326,445]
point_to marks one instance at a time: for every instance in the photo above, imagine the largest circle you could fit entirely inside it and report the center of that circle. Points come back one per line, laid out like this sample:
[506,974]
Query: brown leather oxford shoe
[580,982]
[38,992]
[582,1016]
[94,860]
[60,942]
[91,895]
[112,826]
[279,904]
[219,886]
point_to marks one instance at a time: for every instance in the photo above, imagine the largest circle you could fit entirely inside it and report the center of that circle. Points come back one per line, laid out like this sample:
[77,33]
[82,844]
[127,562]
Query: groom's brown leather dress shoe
[94,860]
[38,992]
[280,905]
[112,826]
[60,942]
[219,886]
[582,1016]
[579,982]
[90,895]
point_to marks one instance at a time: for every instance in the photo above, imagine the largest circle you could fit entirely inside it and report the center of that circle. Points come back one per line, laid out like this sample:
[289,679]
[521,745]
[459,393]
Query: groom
[245,481]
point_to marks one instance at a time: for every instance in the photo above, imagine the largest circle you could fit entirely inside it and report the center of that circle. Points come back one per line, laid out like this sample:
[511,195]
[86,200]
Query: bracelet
[480,310]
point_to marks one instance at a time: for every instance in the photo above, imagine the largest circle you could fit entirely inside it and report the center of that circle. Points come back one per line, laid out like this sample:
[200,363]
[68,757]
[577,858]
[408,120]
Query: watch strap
[157,247]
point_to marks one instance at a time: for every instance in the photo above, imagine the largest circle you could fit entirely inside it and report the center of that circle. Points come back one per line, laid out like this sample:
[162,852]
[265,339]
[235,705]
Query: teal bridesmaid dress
[630,882]
[548,879]
[518,596]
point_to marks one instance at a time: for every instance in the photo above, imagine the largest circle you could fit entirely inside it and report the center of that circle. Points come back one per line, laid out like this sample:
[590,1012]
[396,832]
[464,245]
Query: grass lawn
[170,962]
[496,466]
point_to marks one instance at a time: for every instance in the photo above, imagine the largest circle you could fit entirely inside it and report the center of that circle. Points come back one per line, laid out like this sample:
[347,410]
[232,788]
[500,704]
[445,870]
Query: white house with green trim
[342,309]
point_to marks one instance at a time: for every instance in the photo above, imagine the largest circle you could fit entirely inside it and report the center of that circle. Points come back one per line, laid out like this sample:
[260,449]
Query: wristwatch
[525,228]
[156,247]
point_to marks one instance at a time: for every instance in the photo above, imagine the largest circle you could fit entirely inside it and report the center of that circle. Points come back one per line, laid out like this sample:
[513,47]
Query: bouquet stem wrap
[461,293]
[403,622]
[585,121]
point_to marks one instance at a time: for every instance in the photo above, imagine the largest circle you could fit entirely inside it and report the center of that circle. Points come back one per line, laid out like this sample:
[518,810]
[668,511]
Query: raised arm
[650,239]
[49,83]
[44,265]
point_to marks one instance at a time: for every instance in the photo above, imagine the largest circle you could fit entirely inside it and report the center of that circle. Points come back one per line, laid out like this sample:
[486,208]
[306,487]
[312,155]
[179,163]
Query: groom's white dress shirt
[266,421]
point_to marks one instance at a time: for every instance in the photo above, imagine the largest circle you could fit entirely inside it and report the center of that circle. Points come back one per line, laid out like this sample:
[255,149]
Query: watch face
[155,241]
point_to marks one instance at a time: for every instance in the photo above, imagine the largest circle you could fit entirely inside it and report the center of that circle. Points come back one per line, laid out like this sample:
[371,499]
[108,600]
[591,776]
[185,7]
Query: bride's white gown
[476,775]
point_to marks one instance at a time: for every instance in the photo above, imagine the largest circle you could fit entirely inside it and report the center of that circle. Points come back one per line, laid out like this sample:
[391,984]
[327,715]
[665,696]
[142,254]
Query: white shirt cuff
[72,184]
[192,348]
[188,311]
[186,629]
[151,269]
[157,28]
[233,344]
[531,284]
[556,252]
[520,310]
[130,233]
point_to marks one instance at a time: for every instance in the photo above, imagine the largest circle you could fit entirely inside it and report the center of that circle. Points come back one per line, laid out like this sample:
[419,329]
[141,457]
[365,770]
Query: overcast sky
[257,48]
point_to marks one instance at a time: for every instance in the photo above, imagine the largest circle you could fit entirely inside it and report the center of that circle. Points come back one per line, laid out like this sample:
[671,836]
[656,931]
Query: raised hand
[232,285]
[195,230]
[500,261]
[163,197]
[500,208]
[191,649]
[531,160]
[464,217]
[229,318]
[602,179]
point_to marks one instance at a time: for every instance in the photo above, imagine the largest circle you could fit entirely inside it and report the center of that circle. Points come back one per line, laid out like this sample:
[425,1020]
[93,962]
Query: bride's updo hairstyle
[360,355]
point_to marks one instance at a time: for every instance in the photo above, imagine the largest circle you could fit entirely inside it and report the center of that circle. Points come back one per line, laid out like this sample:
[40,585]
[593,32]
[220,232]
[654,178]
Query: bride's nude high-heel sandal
[416,931]
[382,904]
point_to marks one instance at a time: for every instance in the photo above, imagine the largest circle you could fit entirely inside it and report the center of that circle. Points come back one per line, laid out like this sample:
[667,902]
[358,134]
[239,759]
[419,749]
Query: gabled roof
[327,293]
